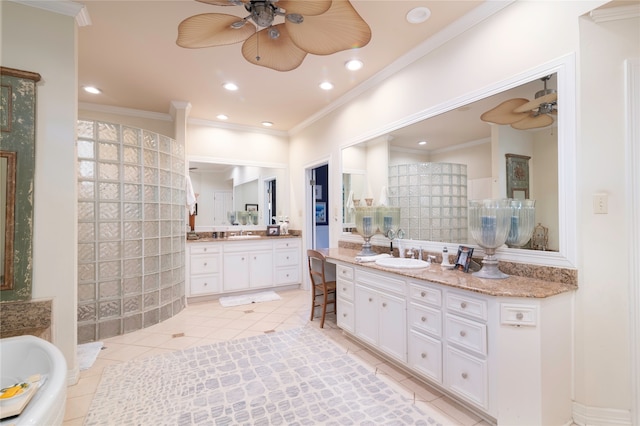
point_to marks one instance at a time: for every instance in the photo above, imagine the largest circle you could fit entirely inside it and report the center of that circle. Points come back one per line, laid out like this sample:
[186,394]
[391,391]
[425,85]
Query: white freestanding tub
[24,356]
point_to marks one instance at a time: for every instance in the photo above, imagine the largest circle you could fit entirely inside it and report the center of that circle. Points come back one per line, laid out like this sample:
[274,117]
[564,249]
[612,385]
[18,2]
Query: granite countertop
[227,240]
[513,286]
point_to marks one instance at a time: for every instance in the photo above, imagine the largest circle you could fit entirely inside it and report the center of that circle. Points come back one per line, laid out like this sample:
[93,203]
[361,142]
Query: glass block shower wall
[433,200]
[131,232]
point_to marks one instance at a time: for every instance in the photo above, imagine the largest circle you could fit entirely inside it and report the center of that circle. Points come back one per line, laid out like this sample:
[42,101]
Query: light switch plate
[600,203]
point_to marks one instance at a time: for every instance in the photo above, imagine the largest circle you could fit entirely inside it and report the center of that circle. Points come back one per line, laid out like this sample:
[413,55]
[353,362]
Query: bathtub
[24,356]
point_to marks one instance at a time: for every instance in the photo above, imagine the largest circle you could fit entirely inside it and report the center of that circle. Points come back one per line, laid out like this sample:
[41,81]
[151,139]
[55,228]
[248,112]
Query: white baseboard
[596,416]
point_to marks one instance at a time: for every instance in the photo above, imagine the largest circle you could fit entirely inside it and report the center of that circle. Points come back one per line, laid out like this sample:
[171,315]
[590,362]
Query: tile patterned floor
[209,322]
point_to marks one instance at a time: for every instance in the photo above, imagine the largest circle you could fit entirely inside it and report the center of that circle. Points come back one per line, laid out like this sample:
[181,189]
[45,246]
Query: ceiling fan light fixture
[262,13]
[295,18]
[418,15]
[273,33]
[354,64]
[238,24]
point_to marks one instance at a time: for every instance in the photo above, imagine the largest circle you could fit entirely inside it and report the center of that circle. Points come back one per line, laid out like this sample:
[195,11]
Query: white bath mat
[87,354]
[247,299]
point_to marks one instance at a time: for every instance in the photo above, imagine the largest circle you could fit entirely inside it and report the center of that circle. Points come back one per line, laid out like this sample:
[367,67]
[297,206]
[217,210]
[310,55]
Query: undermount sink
[402,263]
[243,237]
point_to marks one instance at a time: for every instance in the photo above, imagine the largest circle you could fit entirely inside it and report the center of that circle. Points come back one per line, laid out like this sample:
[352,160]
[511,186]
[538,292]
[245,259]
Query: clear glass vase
[489,224]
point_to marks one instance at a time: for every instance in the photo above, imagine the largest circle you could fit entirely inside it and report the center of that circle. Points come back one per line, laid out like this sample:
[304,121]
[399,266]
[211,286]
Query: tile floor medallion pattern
[295,376]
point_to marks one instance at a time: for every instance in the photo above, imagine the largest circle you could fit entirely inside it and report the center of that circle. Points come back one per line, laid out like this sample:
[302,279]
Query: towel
[191,197]
[363,259]
[383,197]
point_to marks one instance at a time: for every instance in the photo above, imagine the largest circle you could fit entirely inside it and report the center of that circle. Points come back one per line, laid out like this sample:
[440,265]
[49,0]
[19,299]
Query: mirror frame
[9,220]
[565,69]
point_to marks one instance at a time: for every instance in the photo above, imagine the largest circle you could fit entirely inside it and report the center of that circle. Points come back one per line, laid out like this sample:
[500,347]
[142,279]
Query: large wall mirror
[7,209]
[455,134]
[222,188]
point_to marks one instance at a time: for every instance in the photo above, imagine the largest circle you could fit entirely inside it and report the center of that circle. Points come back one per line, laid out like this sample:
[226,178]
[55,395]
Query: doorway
[317,196]
[270,202]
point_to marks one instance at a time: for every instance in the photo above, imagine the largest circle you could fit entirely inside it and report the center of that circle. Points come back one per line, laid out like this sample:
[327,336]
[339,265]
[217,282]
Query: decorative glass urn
[367,225]
[490,223]
[522,222]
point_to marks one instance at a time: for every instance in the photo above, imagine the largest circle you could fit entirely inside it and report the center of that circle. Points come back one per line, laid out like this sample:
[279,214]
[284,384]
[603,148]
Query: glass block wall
[433,200]
[131,232]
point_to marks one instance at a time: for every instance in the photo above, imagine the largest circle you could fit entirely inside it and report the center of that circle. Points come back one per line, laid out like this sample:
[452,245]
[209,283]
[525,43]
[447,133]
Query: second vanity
[223,266]
[501,347]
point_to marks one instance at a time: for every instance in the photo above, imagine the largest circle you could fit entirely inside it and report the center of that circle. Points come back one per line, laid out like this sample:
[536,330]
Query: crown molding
[615,13]
[107,109]
[63,7]
[471,19]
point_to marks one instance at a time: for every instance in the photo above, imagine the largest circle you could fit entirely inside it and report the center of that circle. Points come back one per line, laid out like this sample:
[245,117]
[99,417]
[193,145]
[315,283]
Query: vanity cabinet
[345,295]
[508,358]
[219,267]
[204,264]
[287,261]
[380,314]
[247,265]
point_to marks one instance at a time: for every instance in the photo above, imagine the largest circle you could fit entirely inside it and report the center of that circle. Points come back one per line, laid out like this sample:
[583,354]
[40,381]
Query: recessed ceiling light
[422,143]
[267,123]
[325,85]
[418,15]
[92,89]
[230,86]
[222,117]
[354,64]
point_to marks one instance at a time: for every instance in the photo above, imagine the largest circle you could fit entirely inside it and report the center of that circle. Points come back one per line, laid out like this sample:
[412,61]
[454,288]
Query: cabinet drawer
[345,316]
[204,264]
[287,275]
[345,272]
[425,319]
[287,244]
[425,294]
[287,258]
[208,284]
[466,375]
[345,289]
[204,249]
[425,355]
[467,334]
[465,305]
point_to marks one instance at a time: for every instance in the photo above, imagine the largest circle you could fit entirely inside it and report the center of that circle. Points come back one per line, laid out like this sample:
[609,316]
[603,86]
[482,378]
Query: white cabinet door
[392,326]
[260,269]
[366,325]
[236,271]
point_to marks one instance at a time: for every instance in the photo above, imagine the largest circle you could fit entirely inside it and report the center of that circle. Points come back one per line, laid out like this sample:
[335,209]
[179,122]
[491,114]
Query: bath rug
[87,354]
[295,376]
[247,299]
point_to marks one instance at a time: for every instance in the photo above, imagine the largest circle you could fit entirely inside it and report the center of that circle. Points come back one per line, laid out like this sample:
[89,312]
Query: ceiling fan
[523,114]
[319,27]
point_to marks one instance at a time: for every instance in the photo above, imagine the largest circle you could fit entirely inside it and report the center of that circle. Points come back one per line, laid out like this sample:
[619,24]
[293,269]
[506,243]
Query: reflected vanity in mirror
[253,194]
[457,135]
[7,209]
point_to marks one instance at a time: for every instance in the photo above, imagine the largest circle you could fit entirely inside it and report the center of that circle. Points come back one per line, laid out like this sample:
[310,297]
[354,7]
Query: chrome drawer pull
[423,294]
[519,315]
[464,375]
[370,300]
[424,319]
[463,333]
[384,305]
[423,355]
[205,263]
[463,305]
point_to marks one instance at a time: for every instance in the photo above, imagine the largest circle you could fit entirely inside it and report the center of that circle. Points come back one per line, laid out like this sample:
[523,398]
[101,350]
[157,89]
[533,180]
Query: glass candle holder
[523,220]
[367,224]
[490,223]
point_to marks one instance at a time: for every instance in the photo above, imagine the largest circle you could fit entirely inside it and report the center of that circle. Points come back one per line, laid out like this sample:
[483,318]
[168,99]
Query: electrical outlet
[600,203]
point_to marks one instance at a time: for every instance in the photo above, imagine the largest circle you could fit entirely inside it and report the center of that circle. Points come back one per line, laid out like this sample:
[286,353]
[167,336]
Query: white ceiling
[129,52]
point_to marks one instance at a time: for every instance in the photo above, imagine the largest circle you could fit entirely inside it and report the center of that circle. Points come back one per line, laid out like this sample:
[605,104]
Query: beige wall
[44,42]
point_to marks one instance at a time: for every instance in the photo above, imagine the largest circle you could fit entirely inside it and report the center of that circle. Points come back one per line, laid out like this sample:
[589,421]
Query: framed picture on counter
[463,260]
[251,207]
[273,230]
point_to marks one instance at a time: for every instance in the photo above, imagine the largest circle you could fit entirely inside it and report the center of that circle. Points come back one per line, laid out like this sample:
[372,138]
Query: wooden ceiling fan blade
[306,8]
[504,113]
[279,54]
[533,122]
[222,2]
[551,97]
[212,29]
[339,28]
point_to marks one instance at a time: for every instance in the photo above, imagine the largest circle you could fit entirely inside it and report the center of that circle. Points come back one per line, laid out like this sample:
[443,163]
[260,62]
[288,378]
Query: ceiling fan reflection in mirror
[319,27]
[523,114]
